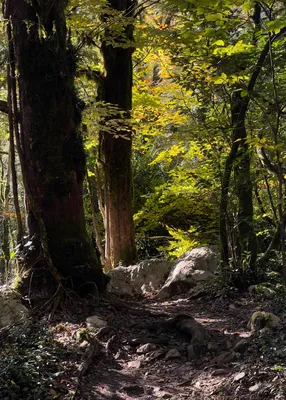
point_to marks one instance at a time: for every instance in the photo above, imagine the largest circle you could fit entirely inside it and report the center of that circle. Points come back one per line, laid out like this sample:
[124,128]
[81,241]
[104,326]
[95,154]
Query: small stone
[155,355]
[146,348]
[84,344]
[226,357]
[95,322]
[241,345]
[220,371]
[173,354]
[133,389]
[232,307]
[134,364]
[254,388]
[120,355]
[165,395]
[239,376]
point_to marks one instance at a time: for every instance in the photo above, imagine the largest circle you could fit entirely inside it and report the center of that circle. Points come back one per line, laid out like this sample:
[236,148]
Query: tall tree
[115,147]
[49,141]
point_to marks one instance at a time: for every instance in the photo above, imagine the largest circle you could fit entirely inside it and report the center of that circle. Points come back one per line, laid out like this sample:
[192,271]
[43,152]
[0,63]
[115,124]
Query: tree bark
[238,112]
[6,216]
[53,159]
[247,248]
[115,147]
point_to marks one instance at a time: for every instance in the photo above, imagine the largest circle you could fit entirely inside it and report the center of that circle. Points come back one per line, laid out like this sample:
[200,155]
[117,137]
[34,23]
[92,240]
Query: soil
[67,361]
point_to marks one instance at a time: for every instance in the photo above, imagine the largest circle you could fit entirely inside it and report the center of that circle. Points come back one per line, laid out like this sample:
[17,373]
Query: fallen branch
[92,349]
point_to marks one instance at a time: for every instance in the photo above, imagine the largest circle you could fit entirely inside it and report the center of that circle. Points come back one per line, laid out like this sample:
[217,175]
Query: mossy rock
[262,290]
[262,319]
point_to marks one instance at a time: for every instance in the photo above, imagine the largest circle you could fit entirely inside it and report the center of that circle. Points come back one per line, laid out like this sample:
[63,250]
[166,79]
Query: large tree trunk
[115,147]
[52,155]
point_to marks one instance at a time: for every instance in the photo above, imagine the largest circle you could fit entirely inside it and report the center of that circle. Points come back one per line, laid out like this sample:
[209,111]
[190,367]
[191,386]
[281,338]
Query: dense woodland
[138,130]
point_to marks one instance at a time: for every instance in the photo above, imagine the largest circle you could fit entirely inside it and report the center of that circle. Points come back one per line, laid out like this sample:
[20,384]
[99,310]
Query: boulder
[12,311]
[145,278]
[261,319]
[197,265]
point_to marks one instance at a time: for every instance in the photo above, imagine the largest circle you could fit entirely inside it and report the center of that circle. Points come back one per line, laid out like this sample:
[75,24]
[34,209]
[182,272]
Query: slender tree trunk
[239,108]
[13,129]
[115,147]
[6,217]
[52,155]
[247,249]
[239,159]
[95,224]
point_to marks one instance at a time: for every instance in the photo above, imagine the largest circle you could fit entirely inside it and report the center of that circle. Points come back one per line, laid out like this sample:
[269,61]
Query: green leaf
[219,43]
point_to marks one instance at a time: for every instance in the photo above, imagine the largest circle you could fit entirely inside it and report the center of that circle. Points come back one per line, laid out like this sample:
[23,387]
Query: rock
[12,311]
[146,277]
[84,344]
[146,348]
[160,393]
[197,265]
[188,325]
[262,290]
[172,354]
[255,387]
[120,355]
[225,357]
[262,319]
[241,345]
[95,322]
[220,371]
[155,355]
[135,390]
[165,395]
[239,376]
[134,364]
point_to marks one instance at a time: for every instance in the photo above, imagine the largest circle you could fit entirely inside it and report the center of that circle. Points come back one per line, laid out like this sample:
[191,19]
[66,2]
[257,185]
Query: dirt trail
[222,373]
[131,359]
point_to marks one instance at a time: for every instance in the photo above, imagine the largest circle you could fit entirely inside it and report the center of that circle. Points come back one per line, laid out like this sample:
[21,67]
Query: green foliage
[182,241]
[30,361]
[191,57]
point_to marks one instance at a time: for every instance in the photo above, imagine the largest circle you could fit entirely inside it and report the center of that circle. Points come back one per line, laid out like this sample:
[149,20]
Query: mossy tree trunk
[53,159]
[116,145]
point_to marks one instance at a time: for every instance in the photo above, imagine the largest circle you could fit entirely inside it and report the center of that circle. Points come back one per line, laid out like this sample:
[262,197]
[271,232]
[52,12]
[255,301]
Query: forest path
[58,358]
[120,373]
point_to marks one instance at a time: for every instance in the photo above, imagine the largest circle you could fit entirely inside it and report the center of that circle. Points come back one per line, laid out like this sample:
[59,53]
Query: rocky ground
[140,355]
